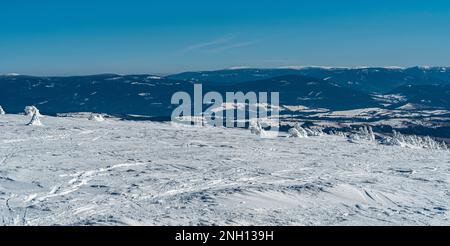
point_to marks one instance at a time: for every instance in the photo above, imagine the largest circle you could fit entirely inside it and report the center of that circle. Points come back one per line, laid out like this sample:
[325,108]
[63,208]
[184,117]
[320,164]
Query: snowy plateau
[76,171]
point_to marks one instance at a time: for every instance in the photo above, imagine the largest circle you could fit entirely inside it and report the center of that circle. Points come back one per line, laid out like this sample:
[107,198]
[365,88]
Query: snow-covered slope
[73,171]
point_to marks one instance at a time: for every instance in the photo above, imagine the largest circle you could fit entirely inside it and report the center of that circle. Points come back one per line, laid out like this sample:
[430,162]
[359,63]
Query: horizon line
[236,68]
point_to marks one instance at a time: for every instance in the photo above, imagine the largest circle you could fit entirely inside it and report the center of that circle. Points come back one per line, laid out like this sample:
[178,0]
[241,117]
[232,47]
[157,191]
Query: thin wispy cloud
[212,43]
[218,45]
[232,46]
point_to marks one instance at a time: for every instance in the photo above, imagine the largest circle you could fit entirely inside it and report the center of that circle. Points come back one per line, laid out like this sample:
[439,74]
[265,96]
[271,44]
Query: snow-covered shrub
[363,134]
[413,141]
[35,120]
[294,133]
[306,130]
[298,132]
[369,133]
[444,146]
[338,133]
[354,138]
[256,128]
[31,110]
[2,112]
[96,117]
[314,132]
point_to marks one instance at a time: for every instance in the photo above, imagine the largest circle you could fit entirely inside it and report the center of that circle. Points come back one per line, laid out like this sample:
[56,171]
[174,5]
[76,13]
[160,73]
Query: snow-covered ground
[73,171]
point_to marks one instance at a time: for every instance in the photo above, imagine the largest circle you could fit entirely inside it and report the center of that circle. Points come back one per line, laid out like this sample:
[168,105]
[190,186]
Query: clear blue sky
[50,37]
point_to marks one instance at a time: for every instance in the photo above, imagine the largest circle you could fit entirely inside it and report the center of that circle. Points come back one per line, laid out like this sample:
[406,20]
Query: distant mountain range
[380,80]
[331,88]
[426,95]
[106,93]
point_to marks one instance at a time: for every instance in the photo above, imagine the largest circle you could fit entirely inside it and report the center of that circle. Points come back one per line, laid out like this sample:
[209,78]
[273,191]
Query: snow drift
[153,173]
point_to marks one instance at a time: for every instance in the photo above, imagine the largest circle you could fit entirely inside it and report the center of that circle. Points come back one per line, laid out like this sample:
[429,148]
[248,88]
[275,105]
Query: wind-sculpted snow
[75,171]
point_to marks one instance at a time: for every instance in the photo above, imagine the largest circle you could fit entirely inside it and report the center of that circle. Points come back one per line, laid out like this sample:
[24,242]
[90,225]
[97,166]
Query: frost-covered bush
[413,141]
[298,132]
[338,133]
[364,133]
[314,132]
[96,117]
[35,120]
[31,110]
[294,133]
[2,112]
[256,128]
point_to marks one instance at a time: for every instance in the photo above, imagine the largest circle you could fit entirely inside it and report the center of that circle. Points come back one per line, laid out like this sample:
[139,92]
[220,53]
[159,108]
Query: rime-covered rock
[2,112]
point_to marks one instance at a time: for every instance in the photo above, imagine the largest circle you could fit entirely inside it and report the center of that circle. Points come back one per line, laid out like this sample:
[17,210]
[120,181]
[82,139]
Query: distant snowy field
[73,171]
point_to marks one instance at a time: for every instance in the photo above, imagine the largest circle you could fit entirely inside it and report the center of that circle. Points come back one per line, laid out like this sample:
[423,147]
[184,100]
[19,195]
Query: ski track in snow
[73,171]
